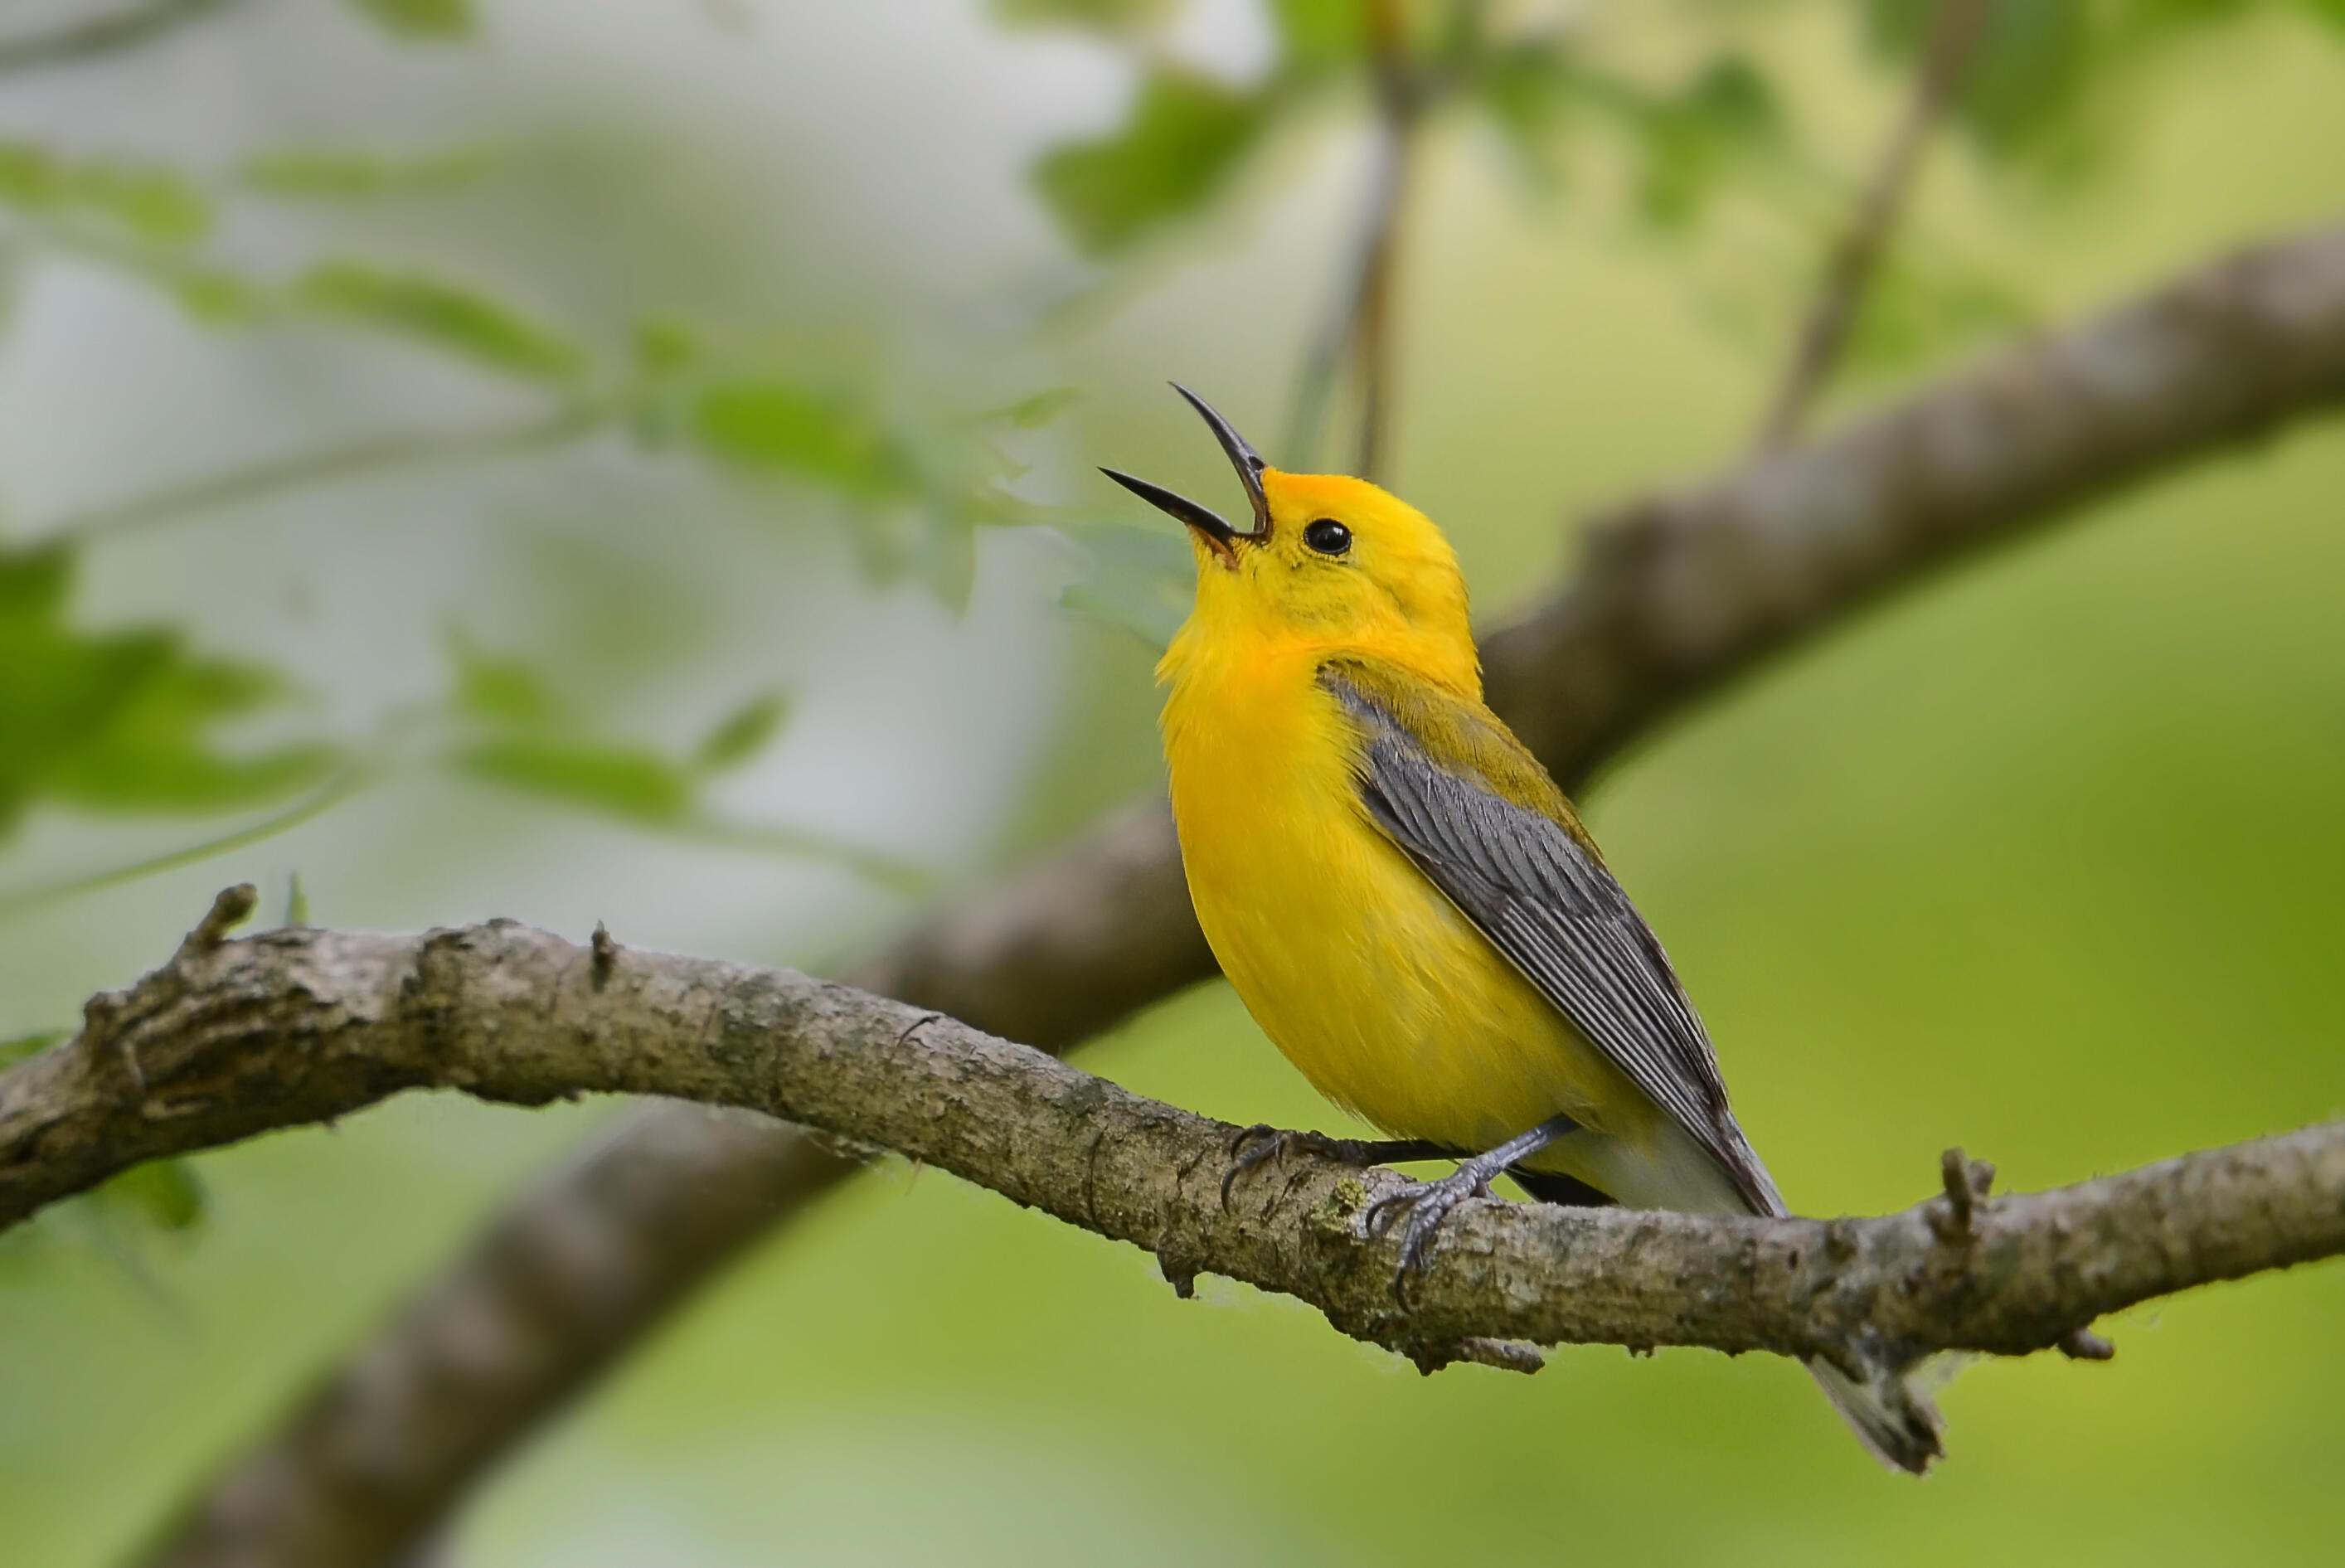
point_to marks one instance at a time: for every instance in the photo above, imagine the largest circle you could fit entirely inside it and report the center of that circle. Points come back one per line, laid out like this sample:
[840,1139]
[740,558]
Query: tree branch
[1848,272]
[1677,596]
[235,1037]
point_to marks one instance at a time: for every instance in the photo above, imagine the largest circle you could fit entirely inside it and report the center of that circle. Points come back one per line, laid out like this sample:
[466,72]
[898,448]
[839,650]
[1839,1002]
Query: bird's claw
[1428,1204]
[1262,1145]
[1254,1145]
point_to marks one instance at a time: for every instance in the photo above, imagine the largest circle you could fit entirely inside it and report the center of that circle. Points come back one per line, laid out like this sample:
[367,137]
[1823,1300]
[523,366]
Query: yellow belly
[1370,982]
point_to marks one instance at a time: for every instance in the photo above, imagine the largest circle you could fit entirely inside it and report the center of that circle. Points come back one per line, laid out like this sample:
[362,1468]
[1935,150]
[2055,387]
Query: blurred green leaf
[297,902]
[1318,35]
[150,202]
[499,688]
[166,772]
[164,1193]
[1040,409]
[212,296]
[1111,16]
[23,1047]
[2027,72]
[1734,100]
[1913,310]
[148,752]
[779,427]
[33,583]
[1140,579]
[666,346]
[330,174]
[446,314]
[2030,68]
[742,733]
[1524,88]
[424,19]
[946,560]
[616,780]
[1185,135]
[1687,140]
[122,719]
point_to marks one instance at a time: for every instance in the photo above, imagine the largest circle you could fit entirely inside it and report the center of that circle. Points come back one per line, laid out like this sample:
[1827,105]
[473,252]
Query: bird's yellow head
[1331,563]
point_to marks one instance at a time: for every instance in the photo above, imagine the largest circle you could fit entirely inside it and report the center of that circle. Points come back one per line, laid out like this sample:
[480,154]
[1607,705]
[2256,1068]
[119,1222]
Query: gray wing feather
[1561,919]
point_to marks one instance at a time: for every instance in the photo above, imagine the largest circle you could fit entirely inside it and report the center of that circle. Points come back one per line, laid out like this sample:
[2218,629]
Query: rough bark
[1676,594]
[235,1037]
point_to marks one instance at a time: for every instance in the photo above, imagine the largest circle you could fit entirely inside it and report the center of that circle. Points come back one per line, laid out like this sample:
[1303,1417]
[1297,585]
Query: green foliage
[1320,35]
[1523,88]
[164,1193]
[911,492]
[1040,409]
[1137,579]
[945,560]
[611,778]
[1111,16]
[2042,74]
[123,720]
[2027,72]
[742,733]
[778,427]
[447,315]
[1185,135]
[1688,140]
[330,174]
[424,20]
[665,346]
[214,296]
[33,583]
[149,202]
[520,734]
[1916,308]
[24,1047]
[499,689]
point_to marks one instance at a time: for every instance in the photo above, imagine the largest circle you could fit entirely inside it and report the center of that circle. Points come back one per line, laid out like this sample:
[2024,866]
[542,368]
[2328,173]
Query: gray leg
[1262,1144]
[1429,1202]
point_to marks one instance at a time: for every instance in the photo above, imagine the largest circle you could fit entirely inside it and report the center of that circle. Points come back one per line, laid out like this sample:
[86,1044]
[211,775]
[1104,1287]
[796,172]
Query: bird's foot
[1426,1205]
[1262,1144]
[1429,1202]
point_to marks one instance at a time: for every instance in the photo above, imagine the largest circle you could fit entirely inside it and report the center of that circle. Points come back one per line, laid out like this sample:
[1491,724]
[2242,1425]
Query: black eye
[1328,536]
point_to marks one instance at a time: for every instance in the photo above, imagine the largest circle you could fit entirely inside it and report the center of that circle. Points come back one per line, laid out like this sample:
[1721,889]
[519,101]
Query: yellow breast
[1357,968]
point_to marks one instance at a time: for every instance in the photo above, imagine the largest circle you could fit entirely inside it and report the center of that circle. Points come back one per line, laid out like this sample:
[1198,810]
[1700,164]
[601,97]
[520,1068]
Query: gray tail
[1888,1414]
[1888,1411]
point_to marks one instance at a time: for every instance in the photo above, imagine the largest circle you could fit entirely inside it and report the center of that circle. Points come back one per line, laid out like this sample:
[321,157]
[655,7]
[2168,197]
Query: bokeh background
[706,542]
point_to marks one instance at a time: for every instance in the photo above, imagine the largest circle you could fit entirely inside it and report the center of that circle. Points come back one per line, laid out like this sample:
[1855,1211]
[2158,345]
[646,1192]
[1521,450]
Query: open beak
[1218,536]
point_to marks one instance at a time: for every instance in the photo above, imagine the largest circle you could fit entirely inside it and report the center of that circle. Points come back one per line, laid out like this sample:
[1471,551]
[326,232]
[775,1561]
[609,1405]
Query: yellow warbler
[1407,904]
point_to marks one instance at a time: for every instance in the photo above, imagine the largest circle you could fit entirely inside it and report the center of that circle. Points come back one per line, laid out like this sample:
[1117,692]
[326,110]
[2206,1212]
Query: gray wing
[1559,918]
